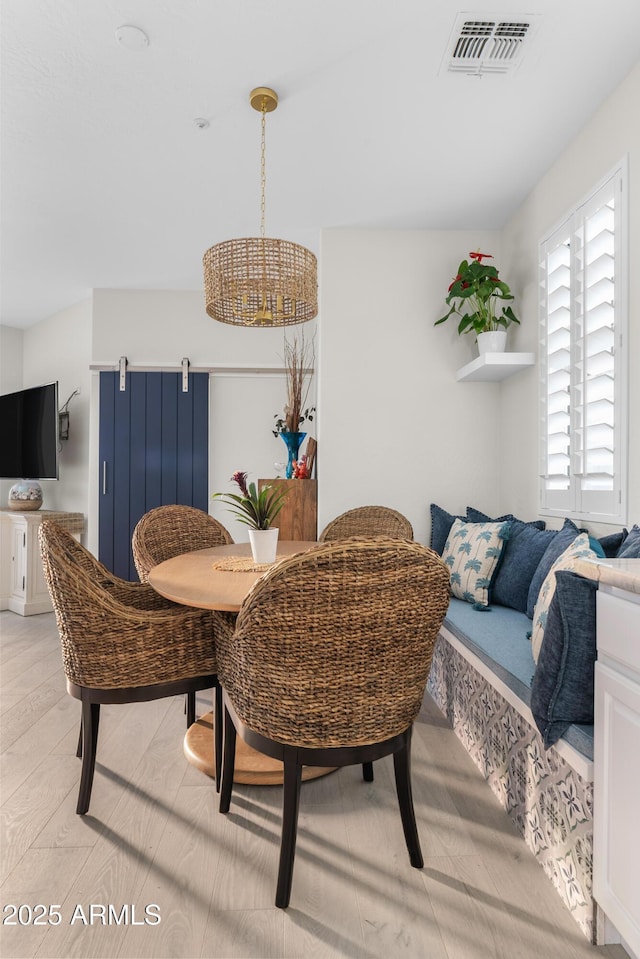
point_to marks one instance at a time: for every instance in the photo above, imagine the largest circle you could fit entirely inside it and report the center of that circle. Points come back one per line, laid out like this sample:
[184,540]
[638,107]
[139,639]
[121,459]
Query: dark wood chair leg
[191,709]
[79,749]
[402,769]
[90,723]
[228,762]
[290,807]
[367,772]
[217,732]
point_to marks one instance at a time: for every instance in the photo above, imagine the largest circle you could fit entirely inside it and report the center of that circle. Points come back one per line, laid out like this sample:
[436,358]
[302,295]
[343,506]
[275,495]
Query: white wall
[394,427]
[162,326]
[241,417]
[609,135]
[58,348]
[11,352]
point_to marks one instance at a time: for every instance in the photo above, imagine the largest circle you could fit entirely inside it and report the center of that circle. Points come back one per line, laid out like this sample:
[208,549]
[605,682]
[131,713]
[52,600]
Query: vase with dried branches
[299,358]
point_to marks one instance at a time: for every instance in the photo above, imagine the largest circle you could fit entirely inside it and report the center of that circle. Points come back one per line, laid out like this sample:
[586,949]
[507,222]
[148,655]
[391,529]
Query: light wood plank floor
[154,836]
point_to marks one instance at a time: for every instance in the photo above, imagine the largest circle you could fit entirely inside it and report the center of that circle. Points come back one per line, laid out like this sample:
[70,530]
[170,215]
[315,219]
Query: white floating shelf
[492,367]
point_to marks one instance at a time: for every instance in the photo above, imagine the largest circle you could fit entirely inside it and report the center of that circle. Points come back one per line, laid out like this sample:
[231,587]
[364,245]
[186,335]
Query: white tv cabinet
[22,586]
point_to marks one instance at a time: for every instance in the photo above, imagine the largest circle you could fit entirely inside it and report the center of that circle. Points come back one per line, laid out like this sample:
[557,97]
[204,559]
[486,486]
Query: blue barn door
[154,451]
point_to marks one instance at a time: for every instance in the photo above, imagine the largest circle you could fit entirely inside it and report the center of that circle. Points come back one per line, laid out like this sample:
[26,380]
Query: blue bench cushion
[498,637]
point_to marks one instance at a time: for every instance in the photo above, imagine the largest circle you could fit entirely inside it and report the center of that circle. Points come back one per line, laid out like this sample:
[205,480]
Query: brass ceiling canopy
[260,281]
[263,99]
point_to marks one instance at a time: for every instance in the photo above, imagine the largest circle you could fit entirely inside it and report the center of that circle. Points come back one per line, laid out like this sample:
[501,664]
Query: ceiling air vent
[489,45]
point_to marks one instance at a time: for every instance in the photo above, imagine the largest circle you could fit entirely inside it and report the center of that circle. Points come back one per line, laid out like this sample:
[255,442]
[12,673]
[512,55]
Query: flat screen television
[29,433]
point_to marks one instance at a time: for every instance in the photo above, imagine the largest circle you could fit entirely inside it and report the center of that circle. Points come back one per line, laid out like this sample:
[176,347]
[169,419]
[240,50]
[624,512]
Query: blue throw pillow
[522,553]
[597,547]
[562,688]
[441,523]
[630,549]
[612,543]
[563,538]
[477,516]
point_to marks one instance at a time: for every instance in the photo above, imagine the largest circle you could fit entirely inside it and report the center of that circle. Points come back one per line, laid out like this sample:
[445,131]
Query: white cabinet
[616,840]
[22,585]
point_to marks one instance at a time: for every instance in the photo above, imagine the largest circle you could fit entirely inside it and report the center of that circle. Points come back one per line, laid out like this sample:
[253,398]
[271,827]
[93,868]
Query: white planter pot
[264,544]
[494,341]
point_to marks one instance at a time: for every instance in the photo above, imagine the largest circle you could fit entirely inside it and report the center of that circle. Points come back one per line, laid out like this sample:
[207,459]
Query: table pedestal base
[251,767]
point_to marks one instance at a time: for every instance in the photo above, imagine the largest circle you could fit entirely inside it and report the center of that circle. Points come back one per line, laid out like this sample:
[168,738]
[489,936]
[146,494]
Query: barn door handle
[104,478]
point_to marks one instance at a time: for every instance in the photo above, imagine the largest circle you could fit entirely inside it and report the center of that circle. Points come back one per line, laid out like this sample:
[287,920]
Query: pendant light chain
[257,281]
[263,174]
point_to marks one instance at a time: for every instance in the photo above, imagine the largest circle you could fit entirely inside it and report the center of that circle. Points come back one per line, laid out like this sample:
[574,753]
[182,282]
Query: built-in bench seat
[511,579]
[501,641]
[481,680]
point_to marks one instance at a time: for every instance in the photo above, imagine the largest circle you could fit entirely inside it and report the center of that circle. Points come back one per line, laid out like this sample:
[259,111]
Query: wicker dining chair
[328,665]
[121,642]
[168,531]
[367,521]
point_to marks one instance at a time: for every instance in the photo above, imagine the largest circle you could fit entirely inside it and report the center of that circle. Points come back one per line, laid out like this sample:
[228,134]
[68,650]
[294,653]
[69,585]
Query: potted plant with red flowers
[257,510]
[475,295]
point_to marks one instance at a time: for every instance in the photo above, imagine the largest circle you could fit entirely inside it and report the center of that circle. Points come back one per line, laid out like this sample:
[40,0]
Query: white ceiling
[106,181]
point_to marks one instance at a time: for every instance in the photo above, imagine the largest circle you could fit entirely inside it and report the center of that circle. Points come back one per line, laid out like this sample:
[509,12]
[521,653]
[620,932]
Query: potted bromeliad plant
[257,509]
[475,295]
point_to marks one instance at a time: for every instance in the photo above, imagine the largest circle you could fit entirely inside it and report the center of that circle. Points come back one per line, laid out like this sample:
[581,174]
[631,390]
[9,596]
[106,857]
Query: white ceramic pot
[495,341]
[264,543]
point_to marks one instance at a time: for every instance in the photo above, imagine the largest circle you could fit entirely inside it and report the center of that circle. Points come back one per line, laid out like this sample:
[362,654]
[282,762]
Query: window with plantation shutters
[583,282]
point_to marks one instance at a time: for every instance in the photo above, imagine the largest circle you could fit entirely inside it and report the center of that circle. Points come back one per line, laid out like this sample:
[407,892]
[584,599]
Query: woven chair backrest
[68,565]
[114,633]
[368,521]
[333,646]
[168,531]
[77,581]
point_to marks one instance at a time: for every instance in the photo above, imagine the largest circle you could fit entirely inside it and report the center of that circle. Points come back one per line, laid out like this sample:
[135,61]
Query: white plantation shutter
[556,432]
[583,409]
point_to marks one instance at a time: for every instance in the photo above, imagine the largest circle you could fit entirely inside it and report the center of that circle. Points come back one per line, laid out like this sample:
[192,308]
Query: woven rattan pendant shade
[260,281]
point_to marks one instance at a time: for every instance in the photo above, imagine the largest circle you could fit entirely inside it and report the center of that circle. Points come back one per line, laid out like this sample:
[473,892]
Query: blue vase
[293,442]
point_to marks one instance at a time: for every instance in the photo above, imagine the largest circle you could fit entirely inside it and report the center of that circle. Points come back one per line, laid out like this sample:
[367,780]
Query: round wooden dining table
[219,578]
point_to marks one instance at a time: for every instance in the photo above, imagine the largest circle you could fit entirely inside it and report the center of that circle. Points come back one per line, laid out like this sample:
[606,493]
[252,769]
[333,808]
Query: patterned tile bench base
[550,804]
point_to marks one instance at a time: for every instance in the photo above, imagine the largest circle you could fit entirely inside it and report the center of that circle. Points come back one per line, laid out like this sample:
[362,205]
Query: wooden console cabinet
[22,586]
[298,518]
